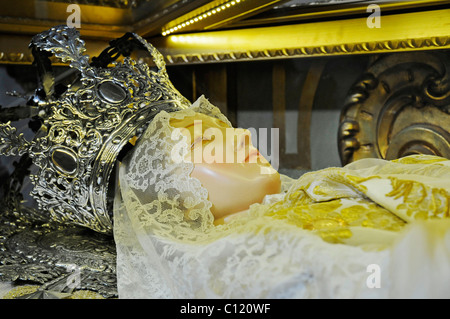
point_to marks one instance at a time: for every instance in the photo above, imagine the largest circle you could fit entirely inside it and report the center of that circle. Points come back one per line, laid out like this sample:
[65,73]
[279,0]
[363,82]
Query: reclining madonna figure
[198,214]
[211,229]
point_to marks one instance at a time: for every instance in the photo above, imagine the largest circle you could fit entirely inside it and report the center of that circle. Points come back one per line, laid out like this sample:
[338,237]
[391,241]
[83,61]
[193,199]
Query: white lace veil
[155,181]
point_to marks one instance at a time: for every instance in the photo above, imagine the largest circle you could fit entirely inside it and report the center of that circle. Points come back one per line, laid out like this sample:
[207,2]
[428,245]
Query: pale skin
[232,185]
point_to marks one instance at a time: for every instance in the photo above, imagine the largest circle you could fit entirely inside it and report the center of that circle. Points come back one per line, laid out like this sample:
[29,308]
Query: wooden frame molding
[425,30]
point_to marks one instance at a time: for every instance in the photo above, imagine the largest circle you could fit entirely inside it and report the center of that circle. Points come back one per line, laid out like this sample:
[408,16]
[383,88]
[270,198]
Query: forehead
[198,121]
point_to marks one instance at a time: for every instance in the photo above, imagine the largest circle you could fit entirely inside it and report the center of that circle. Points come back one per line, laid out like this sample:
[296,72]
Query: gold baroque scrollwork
[399,107]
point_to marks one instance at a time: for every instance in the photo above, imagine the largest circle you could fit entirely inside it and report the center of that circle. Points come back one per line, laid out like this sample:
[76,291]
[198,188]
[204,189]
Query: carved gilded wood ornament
[399,107]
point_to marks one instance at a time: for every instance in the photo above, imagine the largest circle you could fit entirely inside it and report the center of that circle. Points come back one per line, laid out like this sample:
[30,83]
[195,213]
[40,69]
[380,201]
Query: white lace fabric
[168,246]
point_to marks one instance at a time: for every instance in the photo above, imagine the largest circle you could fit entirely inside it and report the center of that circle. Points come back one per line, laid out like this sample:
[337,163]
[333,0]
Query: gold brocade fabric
[333,220]
[372,193]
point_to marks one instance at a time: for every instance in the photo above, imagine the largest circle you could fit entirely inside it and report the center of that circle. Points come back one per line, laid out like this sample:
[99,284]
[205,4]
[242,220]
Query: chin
[235,195]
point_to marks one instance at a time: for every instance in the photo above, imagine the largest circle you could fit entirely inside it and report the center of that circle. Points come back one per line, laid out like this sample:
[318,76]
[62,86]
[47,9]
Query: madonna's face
[233,171]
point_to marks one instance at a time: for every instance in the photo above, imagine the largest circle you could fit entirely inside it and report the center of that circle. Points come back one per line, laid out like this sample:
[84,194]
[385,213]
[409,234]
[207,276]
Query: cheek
[234,187]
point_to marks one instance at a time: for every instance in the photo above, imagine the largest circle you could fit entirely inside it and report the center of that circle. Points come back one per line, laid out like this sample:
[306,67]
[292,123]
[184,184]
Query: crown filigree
[84,126]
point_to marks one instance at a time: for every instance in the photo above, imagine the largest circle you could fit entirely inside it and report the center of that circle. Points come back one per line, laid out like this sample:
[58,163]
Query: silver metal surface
[85,128]
[62,259]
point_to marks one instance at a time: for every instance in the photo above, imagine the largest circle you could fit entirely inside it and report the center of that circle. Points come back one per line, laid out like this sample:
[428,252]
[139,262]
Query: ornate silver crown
[84,126]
